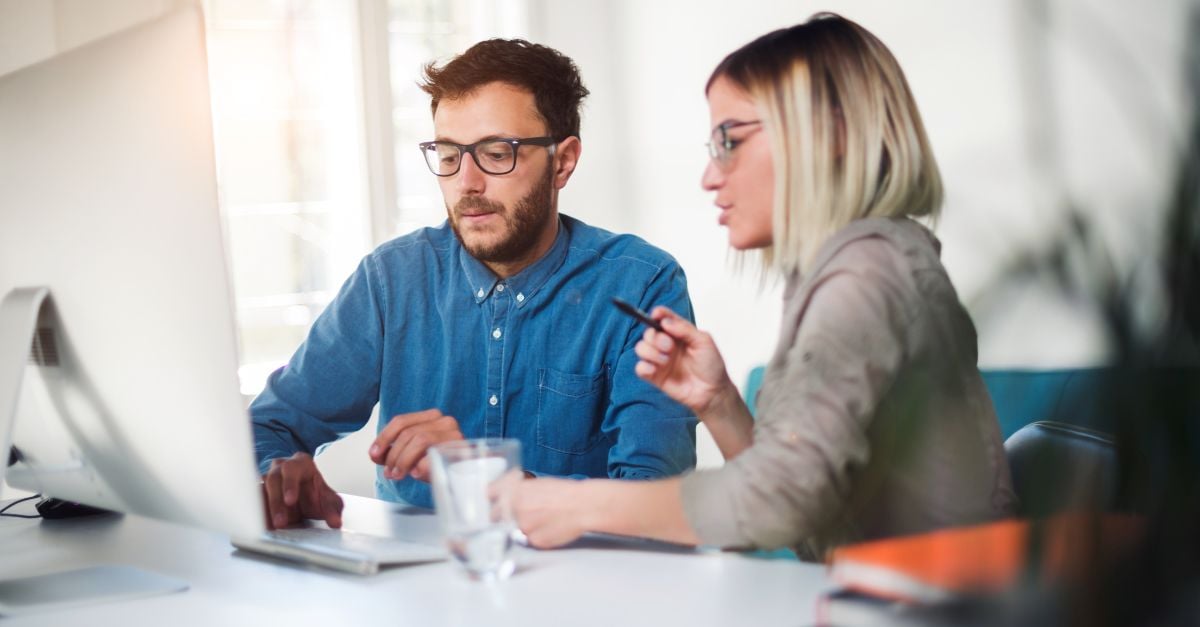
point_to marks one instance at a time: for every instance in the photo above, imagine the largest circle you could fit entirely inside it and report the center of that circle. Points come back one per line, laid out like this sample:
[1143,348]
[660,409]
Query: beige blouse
[873,420]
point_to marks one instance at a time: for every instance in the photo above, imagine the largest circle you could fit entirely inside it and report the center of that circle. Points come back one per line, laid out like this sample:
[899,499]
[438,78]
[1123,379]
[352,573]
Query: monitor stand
[18,328]
[19,313]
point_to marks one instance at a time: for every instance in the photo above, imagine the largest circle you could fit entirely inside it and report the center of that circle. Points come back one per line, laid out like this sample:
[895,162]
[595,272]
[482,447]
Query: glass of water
[473,484]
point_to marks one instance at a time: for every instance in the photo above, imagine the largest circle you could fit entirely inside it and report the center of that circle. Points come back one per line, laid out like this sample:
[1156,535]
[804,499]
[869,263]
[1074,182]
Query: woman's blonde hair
[846,137]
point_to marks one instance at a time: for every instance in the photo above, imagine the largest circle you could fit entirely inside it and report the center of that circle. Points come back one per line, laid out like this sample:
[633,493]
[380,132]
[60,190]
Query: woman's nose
[713,177]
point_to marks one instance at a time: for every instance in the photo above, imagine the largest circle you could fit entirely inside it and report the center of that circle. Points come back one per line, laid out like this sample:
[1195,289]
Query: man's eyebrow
[443,138]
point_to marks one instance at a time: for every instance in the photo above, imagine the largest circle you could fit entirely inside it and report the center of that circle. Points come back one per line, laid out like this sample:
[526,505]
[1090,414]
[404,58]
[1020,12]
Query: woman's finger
[645,370]
[647,351]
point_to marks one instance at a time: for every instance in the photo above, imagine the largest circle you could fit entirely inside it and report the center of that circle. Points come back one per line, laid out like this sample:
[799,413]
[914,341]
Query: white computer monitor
[108,200]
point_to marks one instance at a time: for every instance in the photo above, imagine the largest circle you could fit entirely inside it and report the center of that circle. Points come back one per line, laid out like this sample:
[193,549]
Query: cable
[18,502]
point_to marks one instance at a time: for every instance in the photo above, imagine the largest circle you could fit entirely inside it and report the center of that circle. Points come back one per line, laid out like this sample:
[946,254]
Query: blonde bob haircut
[846,137]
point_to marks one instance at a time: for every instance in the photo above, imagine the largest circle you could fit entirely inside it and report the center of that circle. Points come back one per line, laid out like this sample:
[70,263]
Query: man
[496,324]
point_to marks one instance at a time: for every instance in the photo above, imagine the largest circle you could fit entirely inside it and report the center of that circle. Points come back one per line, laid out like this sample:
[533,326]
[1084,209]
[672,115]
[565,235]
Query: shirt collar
[525,283]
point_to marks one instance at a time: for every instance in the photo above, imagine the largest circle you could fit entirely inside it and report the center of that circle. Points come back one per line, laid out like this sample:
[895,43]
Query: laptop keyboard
[349,543]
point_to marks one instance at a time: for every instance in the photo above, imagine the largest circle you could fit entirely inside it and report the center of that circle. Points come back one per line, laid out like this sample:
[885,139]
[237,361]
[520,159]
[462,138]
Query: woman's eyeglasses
[721,145]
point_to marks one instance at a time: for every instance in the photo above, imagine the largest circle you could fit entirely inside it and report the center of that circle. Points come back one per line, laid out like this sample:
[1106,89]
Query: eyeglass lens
[493,157]
[720,144]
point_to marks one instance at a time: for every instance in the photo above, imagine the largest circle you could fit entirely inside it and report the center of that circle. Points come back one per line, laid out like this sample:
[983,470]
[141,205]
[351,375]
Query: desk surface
[571,586]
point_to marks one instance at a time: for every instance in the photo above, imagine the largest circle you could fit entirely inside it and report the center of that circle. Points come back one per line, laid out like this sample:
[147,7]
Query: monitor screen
[108,200]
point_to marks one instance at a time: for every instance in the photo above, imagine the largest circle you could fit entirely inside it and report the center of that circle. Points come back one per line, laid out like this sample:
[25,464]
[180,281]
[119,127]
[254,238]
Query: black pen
[640,315]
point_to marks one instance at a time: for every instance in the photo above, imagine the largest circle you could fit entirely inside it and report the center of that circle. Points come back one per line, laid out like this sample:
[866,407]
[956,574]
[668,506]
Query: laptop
[380,534]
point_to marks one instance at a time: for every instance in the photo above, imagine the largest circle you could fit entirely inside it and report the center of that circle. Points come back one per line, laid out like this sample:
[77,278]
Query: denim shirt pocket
[570,410]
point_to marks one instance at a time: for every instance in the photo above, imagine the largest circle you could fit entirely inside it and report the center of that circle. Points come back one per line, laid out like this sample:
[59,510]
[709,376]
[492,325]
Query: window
[419,31]
[316,117]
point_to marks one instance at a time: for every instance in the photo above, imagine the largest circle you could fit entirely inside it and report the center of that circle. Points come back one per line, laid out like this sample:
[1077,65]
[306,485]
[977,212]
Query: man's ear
[566,157]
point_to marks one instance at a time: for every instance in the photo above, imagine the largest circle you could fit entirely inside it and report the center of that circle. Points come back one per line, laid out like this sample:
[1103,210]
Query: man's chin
[481,245]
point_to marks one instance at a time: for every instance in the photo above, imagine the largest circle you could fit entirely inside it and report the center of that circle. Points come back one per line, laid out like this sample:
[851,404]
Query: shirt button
[493,400]
[500,287]
[520,298]
[479,294]
[496,333]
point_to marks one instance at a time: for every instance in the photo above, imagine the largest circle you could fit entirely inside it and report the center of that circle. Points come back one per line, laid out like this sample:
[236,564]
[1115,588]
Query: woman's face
[742,174]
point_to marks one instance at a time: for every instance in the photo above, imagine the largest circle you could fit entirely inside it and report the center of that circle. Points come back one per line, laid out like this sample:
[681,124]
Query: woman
[873,419]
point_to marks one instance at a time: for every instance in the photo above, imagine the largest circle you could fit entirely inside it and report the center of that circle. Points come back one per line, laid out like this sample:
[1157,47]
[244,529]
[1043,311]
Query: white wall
[34,30]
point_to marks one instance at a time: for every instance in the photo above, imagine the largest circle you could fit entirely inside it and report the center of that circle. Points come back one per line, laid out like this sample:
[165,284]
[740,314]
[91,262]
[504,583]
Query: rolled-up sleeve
[816,407]
[331,384]
[655,436]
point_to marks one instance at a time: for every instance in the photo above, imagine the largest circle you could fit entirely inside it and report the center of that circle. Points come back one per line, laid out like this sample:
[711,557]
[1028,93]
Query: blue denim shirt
[542,356]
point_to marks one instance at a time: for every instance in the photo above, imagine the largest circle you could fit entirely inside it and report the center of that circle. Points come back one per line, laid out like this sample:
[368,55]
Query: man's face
[508,218]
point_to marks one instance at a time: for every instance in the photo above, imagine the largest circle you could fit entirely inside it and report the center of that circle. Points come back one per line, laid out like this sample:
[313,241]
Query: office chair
[1057,466]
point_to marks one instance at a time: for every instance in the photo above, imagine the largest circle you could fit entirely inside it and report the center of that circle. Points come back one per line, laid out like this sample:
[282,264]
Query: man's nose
[471,180]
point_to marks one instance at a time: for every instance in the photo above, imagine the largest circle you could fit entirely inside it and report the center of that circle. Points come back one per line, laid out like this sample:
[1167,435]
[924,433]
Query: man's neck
[507,269]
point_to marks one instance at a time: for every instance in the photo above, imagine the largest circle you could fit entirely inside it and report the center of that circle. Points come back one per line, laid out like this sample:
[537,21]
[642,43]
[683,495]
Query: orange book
[981,559]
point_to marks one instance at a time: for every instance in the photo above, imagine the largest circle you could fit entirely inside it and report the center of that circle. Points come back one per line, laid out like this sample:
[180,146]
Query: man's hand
[401,445]
[294,491]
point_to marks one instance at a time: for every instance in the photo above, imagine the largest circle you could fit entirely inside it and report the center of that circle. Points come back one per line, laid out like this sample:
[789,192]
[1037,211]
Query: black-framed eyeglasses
[721,145]
[493,156]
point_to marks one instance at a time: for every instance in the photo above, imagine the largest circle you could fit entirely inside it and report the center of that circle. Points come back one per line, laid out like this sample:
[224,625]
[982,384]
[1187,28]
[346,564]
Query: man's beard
[523,224]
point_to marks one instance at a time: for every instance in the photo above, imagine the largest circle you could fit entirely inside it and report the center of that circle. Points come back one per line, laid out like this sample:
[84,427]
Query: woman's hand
[683,362]
[551,512]
[554,512]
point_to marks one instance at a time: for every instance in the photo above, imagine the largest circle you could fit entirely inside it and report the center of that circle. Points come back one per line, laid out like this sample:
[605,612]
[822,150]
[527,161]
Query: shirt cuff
[264,464]
[535,474]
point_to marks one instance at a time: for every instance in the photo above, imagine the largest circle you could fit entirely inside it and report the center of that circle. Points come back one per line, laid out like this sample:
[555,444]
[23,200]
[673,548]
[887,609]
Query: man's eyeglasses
[721,145]
[493,156]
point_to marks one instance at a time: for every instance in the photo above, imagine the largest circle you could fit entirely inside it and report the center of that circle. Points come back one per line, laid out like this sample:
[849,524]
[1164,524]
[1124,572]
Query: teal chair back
[1071,396]
[1093,398]
[1076,396]
[753,383]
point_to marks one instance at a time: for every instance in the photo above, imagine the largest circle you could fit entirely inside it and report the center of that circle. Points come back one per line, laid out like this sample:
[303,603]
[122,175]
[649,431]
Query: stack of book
[884,580]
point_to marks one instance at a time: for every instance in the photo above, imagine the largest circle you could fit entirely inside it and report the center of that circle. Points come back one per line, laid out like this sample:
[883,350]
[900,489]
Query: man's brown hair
[548,74]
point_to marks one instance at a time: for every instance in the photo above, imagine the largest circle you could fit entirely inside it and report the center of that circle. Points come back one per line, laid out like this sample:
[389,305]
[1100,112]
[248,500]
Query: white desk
[564,587]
